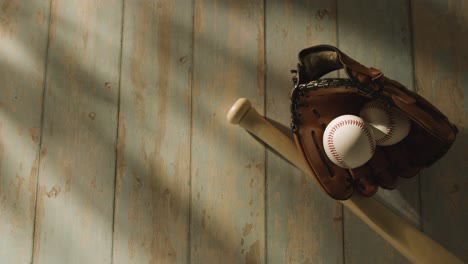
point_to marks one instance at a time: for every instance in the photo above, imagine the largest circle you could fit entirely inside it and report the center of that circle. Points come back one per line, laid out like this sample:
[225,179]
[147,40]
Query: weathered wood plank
[227,215]
[304,224]
[441,68]
[23,41]
[77,166]
[377,34]
[152,189]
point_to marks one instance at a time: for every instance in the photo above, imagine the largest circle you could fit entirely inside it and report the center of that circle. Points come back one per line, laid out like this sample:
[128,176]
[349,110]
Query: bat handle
[243,114]
[238,110]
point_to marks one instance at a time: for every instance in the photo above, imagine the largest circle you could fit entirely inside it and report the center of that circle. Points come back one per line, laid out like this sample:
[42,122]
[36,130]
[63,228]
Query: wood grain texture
[189,186]
[76,177]
[23,41]
[152,189]
[441,67]
[304,224]
[377,34]
[227,215]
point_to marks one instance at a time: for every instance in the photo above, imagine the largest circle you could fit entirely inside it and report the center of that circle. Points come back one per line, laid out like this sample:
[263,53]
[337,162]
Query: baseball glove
[316,102]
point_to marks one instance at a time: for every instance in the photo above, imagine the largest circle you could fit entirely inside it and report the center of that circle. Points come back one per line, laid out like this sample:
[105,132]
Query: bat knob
[238,111]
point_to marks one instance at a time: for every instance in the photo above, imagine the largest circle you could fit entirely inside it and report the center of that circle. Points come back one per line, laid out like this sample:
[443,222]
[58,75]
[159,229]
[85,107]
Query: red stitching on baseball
[331,144]
[391,121]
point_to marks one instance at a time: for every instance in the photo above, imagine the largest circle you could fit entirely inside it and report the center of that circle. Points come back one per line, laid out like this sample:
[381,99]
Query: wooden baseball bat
[402,235]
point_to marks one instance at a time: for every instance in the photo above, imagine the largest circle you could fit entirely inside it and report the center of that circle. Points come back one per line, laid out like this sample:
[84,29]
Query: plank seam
[413,69]
[117,130]
[411,38]
[39,150]
[265,152]
[337,36]
[190,128]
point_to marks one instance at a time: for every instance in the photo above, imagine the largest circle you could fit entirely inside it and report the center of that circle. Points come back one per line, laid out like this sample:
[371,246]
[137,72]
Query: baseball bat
[402,235]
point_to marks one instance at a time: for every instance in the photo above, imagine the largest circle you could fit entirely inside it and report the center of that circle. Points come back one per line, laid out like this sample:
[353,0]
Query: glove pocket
[314,110]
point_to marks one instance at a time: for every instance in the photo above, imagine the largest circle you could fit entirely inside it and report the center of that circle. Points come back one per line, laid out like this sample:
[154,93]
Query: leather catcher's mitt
[315,102]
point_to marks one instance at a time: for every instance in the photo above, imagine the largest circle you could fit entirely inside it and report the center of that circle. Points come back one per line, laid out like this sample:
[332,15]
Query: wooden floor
[114,145]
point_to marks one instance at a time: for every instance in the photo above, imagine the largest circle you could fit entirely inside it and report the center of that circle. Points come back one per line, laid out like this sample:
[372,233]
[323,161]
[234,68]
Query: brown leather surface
[430,137]
[316,112]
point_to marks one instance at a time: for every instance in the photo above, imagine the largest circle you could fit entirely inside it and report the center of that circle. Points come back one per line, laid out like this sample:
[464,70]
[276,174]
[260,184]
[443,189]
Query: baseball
[389,126]
[348,141]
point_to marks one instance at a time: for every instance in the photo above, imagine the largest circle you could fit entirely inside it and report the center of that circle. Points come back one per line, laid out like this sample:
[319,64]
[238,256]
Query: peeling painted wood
[441,71]
[227,175]
[377,34]
[23,41]
[189,186]
[153,173]
[304,224]
[76,180]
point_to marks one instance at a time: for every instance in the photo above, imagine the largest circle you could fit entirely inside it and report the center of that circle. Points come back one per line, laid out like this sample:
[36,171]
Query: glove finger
[382,170]
[426,148]
[363,180]
[335,181]
[401,160]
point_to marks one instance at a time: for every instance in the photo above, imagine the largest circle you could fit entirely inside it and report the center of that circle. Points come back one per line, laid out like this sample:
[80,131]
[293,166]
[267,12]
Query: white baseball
[389,126]
[348,141]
